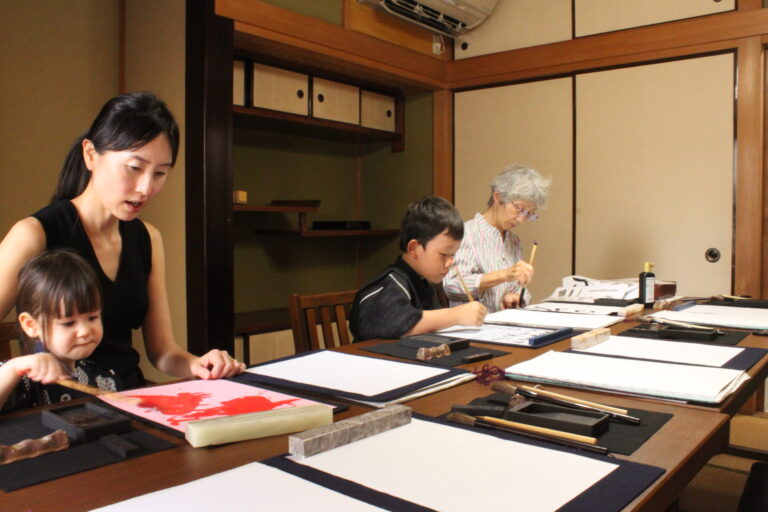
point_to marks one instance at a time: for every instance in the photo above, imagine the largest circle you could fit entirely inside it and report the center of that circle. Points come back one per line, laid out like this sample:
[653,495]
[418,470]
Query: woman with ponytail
[108,177]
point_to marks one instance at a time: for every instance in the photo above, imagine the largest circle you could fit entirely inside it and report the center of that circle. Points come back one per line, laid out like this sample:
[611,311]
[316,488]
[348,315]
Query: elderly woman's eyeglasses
[526,214]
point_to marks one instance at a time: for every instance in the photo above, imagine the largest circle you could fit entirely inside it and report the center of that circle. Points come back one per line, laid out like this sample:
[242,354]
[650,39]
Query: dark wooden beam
[210,274]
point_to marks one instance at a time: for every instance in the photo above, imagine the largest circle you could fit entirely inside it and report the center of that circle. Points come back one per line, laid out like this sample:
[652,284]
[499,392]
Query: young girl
[59,314]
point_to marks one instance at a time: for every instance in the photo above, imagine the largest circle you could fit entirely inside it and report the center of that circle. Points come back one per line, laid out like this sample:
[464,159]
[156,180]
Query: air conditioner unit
[447,17]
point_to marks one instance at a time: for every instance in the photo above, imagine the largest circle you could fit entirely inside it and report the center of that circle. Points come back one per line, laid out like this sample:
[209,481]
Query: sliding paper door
[654,172]
[529,123]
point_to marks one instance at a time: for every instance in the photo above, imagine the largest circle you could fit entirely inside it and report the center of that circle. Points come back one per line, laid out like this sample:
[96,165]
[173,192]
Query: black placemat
[612,492]
[647,331]
[621,437]
[393,348]
[77,458]
[739,303]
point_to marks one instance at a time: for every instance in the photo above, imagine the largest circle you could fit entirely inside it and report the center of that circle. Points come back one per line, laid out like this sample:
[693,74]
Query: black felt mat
[621,437]
[741,303]
[728,338]
[77,458]
[393,348]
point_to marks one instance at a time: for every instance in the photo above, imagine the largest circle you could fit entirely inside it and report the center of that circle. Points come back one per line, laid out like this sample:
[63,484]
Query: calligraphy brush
[533,252]
[523,430]
[463,284]
[652,320]
[523,290]
[93,390]
[565,400]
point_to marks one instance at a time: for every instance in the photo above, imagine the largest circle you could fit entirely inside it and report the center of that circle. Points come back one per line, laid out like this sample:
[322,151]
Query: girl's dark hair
[55,284]
[428,217]
[125,122]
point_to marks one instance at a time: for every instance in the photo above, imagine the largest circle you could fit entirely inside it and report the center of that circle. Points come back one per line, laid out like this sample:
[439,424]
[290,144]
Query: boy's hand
[43,367]
[521,272]
[471,313]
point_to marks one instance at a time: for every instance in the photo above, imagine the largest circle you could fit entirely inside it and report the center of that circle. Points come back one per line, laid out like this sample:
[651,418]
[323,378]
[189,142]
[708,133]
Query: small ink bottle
[647,285]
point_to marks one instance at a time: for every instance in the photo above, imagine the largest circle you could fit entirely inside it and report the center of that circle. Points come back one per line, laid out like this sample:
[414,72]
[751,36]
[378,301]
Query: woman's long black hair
[128,121]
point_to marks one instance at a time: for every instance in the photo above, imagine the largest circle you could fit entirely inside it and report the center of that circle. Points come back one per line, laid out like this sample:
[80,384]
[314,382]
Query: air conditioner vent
[447,17]
[425,15]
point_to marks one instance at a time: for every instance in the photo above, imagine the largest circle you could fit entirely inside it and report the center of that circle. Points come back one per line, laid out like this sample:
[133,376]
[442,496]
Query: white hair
[518,182]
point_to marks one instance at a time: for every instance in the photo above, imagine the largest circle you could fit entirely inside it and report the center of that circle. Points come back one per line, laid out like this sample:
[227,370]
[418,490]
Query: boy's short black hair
[428,217]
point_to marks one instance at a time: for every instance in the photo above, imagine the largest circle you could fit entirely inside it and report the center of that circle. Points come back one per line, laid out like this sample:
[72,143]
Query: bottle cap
[648,266]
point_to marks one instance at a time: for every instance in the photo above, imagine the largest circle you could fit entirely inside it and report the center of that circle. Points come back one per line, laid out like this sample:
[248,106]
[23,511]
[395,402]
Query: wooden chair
[7,336]
[325,310]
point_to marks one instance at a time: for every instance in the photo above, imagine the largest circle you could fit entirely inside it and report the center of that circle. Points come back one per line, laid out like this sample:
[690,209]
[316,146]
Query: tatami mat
[718,486]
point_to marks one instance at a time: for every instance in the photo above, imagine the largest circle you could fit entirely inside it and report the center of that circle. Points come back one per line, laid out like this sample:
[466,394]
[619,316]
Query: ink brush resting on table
[664,321]
[565,400]
[522,409]
[527,431]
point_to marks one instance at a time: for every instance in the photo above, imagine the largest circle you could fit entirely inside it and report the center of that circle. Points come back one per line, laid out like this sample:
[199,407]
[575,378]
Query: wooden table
[682,446]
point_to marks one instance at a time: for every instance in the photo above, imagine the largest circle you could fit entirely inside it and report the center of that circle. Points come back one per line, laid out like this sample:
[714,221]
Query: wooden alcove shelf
[303,230]
[276,208]
[331,232]
[283,122]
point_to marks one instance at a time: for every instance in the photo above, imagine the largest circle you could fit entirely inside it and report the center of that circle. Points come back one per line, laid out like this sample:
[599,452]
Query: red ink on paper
[183,407]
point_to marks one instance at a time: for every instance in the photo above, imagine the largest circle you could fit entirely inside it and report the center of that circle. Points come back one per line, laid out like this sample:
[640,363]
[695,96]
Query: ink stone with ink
[428,340]
[87,421]
[556,417]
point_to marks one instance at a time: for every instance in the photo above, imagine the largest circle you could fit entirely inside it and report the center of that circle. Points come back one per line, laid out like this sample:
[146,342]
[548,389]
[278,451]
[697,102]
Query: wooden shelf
[269,208]
[257,322]
[330,232]
[248,117]
[303,230]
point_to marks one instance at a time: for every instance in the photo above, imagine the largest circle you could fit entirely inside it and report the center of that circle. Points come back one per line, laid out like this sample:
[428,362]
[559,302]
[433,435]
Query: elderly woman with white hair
[490,258]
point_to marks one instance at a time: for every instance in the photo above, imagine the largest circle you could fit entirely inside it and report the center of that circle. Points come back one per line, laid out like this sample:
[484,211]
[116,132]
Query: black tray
[586,423]
[86,422]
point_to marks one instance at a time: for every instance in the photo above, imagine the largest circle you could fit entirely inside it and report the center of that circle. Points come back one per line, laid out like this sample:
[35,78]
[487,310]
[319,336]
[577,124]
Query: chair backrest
[7,335]
[328,310]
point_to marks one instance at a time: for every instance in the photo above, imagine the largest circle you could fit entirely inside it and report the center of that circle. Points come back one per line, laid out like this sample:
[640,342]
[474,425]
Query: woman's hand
[510,300]
[521,272]
[216,364]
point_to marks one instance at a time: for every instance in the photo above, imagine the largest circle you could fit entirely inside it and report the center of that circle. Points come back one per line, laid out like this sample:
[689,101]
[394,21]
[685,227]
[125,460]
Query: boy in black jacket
[401,299]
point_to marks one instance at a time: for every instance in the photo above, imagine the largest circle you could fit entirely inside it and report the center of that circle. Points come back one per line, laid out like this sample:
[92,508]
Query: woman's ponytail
[74,175]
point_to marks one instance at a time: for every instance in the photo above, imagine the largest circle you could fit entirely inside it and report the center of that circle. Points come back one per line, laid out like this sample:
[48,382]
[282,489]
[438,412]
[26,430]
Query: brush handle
[574,400]
[538,430]
[463,285]
[465,419]
[533,253]
[85,388]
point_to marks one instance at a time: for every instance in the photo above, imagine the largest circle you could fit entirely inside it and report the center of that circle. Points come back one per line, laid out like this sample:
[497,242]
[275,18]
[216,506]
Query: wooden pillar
[210,300]
[442,166]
